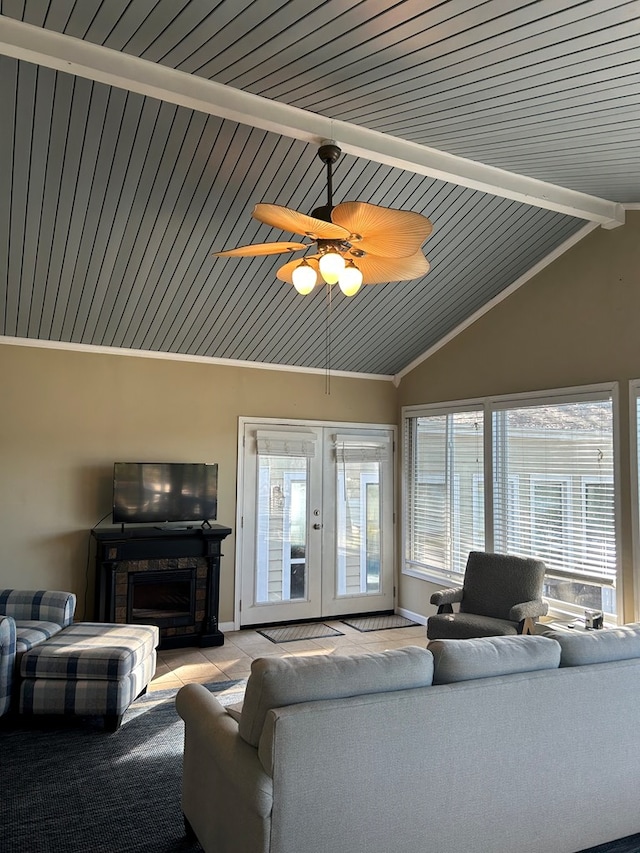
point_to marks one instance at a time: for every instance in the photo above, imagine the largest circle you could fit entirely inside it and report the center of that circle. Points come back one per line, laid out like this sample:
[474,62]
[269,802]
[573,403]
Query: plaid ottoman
[89,668]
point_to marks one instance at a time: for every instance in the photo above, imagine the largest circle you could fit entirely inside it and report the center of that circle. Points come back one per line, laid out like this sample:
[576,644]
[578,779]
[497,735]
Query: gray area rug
[631,844]
[308,631]
[69,787]
[379,623]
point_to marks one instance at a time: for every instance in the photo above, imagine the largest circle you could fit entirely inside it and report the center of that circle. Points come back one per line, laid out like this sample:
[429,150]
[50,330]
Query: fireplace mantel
[123,556]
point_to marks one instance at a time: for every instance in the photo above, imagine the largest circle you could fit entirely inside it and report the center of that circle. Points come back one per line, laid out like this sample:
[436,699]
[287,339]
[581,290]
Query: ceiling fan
[357,242]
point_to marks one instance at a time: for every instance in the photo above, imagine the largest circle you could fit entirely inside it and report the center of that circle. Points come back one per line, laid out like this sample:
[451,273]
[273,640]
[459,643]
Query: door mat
[379,623]
[309,631]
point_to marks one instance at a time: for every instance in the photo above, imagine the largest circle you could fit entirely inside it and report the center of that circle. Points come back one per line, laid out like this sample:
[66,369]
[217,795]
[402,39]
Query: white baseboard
[409,614]
[226,626]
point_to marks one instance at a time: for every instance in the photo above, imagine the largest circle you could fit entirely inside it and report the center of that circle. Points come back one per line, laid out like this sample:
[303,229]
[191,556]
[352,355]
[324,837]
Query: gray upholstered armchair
[501,594]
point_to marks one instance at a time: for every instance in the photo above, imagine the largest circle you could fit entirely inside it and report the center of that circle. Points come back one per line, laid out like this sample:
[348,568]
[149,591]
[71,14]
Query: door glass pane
[281,530]
[372,536]
[358,540]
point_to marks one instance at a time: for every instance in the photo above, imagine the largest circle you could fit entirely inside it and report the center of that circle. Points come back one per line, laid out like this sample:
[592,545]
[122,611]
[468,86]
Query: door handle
[317,526]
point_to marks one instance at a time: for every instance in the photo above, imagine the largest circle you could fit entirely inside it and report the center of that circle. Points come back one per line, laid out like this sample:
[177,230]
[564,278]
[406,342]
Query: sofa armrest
[444,598]
[226,795]
[7,661]
[528,610]
[38,605]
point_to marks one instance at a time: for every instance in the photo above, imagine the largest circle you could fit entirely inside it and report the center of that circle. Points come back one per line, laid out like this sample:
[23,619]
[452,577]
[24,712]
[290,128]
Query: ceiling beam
[104,65]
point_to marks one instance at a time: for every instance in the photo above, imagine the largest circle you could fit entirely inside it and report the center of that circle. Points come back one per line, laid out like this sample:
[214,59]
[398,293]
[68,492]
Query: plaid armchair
[28,618]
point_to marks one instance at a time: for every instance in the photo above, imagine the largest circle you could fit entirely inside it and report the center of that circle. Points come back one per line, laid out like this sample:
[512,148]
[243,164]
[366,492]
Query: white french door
[316,529]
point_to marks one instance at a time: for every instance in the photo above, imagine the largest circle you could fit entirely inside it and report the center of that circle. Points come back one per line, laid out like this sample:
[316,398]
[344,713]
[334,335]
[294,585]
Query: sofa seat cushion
[486,657]
[32,632]
[587,647]
[276,682]
[466,625]
[91,650]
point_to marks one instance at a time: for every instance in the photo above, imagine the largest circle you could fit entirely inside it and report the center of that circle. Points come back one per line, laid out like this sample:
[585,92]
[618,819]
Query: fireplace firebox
[166,599]
[169,578]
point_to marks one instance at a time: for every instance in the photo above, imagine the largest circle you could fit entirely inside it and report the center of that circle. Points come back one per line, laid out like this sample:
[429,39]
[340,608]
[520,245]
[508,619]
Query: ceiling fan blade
[261,249]
[384,232]
[298,223]
[376,270]
[286,271]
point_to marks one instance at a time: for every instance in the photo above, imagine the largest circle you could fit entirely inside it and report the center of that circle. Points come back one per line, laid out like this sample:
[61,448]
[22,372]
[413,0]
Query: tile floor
[233,660]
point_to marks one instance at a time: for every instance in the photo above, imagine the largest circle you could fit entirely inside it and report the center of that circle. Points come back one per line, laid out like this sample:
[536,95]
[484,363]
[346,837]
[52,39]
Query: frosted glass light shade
[350,279]
[304,278]
[331,265]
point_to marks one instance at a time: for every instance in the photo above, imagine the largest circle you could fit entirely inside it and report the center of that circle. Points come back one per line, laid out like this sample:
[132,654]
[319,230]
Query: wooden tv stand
[169,577]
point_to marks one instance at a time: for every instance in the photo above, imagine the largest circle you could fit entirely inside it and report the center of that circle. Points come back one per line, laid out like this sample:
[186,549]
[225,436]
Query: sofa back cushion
[46,605]
[276,682]
[610,644]
[493,583]
[484,657]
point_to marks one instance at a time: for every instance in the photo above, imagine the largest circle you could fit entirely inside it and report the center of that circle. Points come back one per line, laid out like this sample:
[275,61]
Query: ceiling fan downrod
[329,153]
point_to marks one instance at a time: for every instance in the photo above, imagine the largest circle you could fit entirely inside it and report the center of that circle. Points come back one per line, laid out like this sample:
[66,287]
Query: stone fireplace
[169,578]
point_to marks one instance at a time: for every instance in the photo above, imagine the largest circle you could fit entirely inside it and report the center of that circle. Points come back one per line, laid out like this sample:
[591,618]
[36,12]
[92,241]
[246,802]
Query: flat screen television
[164,492]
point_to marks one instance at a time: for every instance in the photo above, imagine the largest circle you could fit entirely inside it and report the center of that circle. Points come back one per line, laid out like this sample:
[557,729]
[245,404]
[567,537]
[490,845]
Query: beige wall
[576,323]
[67,416]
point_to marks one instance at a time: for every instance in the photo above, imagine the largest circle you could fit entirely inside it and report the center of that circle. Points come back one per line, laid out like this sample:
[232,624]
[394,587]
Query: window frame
[634,454]
[490,405]
[433,409]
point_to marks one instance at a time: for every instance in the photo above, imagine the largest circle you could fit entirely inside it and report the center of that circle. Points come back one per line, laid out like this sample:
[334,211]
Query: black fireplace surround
[165,577]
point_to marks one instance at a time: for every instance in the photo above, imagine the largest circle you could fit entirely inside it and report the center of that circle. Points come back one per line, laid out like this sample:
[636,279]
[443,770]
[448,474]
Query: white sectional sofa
[491,745]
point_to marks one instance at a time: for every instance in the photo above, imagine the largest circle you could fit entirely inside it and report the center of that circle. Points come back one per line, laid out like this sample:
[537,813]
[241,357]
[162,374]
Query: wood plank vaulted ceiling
[135,138]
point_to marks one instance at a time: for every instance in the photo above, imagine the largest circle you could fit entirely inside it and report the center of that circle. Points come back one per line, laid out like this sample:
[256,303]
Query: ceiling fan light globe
[350,279]
[331,267]
[304,278]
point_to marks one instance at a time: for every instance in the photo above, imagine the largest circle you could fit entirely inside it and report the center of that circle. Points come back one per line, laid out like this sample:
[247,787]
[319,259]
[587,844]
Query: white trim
[447,408]
[239,539]
[306,422]
[227,626]
[634,393]
[537,268]
[568,394]
[409,614]
[96,62]
[197,359]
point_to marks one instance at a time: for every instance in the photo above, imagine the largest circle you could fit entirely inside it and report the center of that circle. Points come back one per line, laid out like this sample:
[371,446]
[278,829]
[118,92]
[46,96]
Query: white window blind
[444,463]
[354,448]
[553,490]
[547,488]
[282,443]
